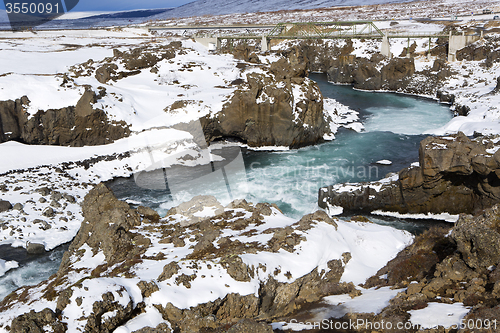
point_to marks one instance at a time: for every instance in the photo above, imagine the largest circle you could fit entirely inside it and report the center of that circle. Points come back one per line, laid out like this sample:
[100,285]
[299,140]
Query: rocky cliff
[79,125]
[455,175]
[456,265]
[280,107]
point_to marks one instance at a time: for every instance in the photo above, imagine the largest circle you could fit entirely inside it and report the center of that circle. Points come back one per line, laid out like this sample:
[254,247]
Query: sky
[118,5]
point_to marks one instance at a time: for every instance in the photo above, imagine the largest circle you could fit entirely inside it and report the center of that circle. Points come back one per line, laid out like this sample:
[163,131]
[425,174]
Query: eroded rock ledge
[454,175]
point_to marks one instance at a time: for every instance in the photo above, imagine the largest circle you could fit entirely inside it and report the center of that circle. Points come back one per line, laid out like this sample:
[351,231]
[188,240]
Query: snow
[370,301]
[150,318]
[339,115]
[439,314]
[7,265]
[442,216]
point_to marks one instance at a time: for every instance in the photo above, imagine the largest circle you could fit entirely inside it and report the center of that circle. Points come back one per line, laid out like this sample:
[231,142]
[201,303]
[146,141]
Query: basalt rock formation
[455,175]
[377,72]
[459,264]
[77,126]
[280,107]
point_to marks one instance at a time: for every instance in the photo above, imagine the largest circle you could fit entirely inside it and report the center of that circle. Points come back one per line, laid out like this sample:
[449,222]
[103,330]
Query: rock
[49,212]
[169,271]
[18,206]
[264,112]
[5,206]
[148,213]
[455,175]
[106,225]
[196,205]
[44,191]
[363,73]
[70,126]
[162,328]
[35,248]
[416,261]
[250,326]
[478,238]
[106,72]
[147,288]
[246,52]
[37,322]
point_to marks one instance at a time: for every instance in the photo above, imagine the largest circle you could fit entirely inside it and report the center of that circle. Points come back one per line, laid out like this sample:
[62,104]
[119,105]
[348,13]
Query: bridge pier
[386,47]
[211,43]
[265,44]
[456,43]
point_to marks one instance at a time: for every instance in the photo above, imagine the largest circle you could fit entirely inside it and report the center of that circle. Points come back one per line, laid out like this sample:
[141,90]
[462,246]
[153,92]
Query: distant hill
[221,7]
[140,13]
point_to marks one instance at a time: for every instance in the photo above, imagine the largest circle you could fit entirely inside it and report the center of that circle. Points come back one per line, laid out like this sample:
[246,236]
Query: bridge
[211,36]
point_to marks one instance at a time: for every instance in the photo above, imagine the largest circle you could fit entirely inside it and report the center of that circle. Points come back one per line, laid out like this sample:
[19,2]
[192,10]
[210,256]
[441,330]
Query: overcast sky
[117,5]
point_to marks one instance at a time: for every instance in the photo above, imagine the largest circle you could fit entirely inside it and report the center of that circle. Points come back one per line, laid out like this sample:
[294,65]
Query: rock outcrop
[5,206]
[280,107]
[459,264]
[70,126]
[455,175]
[376,72]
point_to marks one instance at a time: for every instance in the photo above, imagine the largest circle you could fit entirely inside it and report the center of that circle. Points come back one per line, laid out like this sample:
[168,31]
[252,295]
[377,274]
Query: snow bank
[7,265]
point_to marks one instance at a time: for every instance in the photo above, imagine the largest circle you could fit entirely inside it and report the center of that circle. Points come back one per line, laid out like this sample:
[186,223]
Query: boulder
[35,248]
[478,238]
[37,322]
[5,206]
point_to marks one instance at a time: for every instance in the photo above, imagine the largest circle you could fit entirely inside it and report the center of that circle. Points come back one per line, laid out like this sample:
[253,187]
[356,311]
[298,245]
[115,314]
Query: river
[394,126]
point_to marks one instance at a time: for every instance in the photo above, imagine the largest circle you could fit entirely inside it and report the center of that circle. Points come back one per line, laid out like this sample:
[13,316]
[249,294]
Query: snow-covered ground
[280,12]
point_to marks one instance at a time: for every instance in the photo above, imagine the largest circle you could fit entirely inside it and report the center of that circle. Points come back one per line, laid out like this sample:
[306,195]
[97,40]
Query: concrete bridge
[316,30]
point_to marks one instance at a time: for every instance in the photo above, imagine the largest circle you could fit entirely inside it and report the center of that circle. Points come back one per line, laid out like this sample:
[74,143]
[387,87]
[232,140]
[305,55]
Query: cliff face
[76,126]
[280,107]
[455,175]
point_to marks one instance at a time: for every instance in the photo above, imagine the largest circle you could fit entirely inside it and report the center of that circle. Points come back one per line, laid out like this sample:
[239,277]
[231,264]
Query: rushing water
[32,268]
[291,179]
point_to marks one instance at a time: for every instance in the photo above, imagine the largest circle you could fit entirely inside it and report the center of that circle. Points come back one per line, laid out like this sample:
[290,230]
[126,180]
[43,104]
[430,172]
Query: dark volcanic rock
[263,111]
[106,227]
[5,206]
[35,248]
[71,126]
[363,73]
[462,267]
[456,175]
[478,238]
[37,322]
[250,326]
